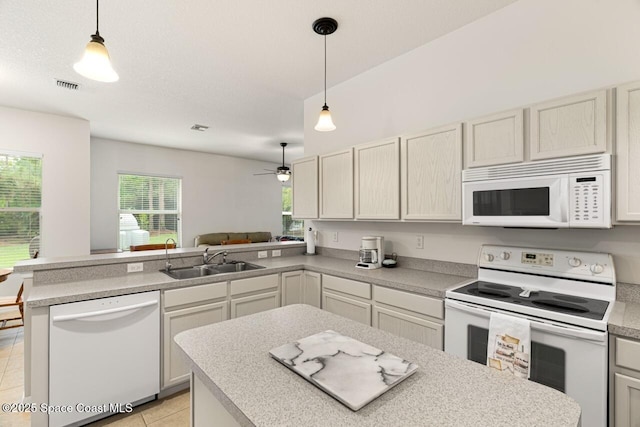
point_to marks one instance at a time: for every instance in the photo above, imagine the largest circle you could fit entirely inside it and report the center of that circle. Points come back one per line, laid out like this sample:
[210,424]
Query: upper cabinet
[377,180]
[336,185]
[431,165]
[569,126]
[628,152]
[495,139]
[305,187]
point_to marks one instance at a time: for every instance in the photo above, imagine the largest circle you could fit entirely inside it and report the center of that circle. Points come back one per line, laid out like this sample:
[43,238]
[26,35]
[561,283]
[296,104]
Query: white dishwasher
[103,355]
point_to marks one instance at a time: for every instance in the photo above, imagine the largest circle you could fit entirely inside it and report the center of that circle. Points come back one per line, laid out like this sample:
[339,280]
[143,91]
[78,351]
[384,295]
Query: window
[149,210]
[290,226]
[20,202]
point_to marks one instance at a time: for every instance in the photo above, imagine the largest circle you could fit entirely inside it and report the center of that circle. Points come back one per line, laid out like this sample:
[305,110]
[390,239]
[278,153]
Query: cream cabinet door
[312,289]
[336,185]
[627,401]
[495,139]
[292,287]
[254,304]
[304,184]
[174,369]
[430,174]
[628,152]
[347,307]
[569,126]
[410,327]
[377,180]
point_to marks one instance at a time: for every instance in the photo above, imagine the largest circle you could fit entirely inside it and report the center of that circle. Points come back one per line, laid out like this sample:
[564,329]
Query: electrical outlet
[276,252]
[263,254]
[335,236]
[419,241]
[135,267]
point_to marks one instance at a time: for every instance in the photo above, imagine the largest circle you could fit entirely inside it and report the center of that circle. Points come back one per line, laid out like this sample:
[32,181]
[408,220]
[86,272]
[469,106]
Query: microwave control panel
[589,195]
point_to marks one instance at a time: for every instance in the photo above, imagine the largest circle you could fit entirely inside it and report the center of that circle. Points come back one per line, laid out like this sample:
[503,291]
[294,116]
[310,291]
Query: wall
[219,193]
[529,51]
[64,145]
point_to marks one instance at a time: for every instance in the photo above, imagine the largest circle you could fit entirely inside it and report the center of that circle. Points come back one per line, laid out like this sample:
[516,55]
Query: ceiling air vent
[67,85]
[200,128]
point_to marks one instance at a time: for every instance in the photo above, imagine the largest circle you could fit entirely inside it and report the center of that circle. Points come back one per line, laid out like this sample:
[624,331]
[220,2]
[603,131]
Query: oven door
[570,359]
[519,202]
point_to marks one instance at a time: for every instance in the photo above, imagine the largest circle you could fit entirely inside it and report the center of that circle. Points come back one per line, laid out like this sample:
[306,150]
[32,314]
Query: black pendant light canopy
[283,173]
[324,27]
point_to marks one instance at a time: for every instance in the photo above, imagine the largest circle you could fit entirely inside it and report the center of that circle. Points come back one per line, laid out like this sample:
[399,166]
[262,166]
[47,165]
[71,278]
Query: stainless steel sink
[209,270]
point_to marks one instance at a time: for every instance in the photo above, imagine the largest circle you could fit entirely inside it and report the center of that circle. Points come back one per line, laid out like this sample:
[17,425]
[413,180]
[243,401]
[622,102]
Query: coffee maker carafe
[371,252]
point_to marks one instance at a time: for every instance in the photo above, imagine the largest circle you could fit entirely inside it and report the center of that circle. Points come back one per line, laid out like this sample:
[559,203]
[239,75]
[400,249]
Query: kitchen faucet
[167,264]
[207,258]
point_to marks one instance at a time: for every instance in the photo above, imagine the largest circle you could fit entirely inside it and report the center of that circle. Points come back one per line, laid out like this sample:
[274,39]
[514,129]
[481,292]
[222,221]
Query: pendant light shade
[324,27]
[96,63]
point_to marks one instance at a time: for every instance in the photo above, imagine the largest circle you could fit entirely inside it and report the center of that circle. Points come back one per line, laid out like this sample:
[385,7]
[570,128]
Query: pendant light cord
[97,17]
[325,69]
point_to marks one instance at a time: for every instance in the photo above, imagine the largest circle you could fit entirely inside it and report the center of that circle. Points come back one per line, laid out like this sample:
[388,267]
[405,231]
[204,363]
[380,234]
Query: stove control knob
[488,257]
[596,268]
[575,262]
[505,255]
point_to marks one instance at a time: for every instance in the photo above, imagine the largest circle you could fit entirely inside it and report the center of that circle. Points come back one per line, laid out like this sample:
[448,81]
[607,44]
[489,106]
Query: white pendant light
[95,63]
[283,173]
[324,27]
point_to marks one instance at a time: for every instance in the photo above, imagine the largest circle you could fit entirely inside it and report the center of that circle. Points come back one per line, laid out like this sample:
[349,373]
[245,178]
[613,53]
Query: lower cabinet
[407,326]
[185,309]
[347,307]
[253,295]
[301,287]
[624,386]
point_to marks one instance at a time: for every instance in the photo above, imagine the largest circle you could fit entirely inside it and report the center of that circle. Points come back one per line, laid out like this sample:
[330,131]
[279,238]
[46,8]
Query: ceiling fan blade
[269,173]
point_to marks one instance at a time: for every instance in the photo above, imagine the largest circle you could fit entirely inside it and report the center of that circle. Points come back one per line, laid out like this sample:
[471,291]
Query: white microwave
[561,193]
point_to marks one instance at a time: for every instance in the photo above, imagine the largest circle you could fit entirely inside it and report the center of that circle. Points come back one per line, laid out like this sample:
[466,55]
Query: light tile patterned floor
[172,411]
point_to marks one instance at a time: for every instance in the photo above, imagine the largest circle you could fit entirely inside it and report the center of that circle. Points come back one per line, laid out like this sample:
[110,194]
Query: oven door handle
[552,328]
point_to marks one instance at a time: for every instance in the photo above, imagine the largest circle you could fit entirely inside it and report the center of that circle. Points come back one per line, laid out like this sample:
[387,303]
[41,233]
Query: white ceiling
[242,67]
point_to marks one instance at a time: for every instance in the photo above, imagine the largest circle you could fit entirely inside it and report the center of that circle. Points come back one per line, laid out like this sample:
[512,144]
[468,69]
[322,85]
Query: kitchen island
[233,373]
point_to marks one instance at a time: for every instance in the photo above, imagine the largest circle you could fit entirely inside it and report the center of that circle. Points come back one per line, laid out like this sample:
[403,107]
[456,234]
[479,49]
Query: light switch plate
[135,267]
[276,252]
[263,254]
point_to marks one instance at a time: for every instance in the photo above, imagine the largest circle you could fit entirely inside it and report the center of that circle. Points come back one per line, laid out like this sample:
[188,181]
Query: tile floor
[172,411]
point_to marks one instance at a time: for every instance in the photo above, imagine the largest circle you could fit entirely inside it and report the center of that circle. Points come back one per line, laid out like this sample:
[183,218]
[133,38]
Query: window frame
[177,212]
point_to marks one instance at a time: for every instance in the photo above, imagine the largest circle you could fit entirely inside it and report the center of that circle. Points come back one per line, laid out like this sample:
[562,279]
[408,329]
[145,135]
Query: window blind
[20,203]
[148,209]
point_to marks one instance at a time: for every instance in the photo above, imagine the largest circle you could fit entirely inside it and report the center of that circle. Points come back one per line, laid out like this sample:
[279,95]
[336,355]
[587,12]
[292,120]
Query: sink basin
[210,270]
[233,267]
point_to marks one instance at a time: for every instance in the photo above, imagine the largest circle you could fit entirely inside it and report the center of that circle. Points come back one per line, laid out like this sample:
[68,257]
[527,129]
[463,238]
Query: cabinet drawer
[628,353]
[194,294]
[419,304]
[253,284]
[347,286]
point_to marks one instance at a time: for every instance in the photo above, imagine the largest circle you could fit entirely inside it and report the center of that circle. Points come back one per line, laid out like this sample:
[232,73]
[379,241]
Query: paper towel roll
[311,243]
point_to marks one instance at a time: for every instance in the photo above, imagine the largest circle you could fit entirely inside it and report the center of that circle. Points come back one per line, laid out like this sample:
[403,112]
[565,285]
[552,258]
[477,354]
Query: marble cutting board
[350,371]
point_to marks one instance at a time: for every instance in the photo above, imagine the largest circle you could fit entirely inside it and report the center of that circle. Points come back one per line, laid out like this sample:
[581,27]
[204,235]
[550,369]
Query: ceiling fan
[282,173]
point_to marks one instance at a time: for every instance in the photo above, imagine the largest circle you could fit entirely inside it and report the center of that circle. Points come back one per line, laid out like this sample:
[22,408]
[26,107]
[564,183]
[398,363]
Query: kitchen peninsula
[233,372]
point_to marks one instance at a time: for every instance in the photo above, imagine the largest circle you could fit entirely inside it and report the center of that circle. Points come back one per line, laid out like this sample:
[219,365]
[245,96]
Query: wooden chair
[11,318]
[235,242]
[151,246]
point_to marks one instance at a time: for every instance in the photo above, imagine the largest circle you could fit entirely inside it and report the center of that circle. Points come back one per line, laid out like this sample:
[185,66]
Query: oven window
[514,202]
[548,364]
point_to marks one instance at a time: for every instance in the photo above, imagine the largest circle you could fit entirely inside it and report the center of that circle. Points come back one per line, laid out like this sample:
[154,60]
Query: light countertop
[625,319]
[232,359]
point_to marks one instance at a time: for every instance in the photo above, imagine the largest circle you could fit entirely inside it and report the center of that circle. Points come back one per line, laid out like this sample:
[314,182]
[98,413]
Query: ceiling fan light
[95,63]
[283,176]
[325,123]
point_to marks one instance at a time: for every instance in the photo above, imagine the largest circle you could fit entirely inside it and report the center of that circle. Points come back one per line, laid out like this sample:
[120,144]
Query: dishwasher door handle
[63,318]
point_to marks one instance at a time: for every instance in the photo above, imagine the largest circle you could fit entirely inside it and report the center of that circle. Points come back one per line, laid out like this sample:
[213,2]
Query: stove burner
[571,298]
[494,285]
[561,306]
